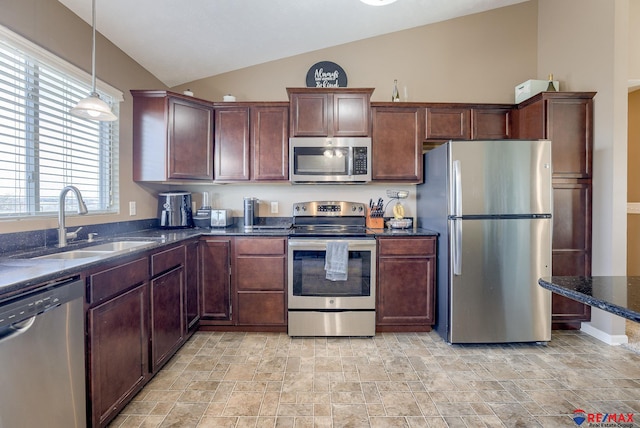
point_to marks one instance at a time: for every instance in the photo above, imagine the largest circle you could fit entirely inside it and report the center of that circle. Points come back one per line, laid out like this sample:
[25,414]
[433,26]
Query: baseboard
[609,339]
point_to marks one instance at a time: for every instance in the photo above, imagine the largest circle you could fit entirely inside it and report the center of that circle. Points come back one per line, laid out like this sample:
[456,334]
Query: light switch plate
[274,207]
[132,208]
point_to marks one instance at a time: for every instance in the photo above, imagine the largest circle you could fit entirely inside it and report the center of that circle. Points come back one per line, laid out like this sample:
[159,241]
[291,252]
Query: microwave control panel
[359,160]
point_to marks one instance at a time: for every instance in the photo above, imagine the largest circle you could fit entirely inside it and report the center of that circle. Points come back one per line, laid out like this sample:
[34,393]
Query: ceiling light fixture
[93,107]
[378,2]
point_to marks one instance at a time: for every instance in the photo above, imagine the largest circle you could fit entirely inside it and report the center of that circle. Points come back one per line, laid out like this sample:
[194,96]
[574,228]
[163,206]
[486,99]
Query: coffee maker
[174,209]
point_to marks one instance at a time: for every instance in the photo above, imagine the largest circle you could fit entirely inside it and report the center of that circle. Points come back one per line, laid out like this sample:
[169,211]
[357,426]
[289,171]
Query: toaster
[221,218]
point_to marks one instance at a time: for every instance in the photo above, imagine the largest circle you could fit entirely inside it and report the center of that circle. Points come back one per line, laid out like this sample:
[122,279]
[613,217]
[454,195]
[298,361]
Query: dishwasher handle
[14,330]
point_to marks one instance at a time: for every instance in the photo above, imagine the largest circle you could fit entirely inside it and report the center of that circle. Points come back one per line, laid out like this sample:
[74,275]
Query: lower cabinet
[135,323]
[260,271]
[215,280]
[118,337]
[167,314]
[243,282]
[406,283]
[167,319]
[192,286]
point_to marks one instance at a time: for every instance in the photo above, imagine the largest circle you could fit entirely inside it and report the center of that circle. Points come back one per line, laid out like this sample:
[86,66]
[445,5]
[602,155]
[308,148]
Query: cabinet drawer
[260,246]
[406,246]
[168,259]
[261,308]
[261,273]
[110,282]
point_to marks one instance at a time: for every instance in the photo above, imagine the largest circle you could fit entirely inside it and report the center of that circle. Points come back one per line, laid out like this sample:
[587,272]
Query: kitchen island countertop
[619,295]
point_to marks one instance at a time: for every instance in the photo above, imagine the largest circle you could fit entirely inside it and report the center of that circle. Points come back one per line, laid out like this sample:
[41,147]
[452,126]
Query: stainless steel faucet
[63,235]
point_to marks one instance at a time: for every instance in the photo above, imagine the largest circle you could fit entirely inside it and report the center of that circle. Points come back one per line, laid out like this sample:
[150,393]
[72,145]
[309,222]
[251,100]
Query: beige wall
[51,25]
[585,42]
[633,189]
[477,58]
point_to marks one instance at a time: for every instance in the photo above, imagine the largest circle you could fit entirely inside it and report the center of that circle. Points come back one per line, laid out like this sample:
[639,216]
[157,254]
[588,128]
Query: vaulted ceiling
[182,41]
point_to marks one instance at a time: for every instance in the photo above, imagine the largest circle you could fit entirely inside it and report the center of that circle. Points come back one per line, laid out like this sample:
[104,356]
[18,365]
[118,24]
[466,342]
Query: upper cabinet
[251,142]
[491,123]
[330,112]
[566,118]
[468,122]
[397,143]
[448,123]
[172,137]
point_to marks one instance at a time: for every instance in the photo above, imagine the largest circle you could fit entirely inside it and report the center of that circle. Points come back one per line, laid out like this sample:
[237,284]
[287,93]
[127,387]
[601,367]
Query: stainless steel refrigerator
[491,203]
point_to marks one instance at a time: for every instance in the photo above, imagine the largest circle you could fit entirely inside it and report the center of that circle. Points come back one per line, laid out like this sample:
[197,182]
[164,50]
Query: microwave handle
[350,162]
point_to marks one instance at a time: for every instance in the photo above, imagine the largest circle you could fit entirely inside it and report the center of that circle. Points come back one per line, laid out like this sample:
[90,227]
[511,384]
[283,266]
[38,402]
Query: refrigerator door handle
[456,245]
[457,189]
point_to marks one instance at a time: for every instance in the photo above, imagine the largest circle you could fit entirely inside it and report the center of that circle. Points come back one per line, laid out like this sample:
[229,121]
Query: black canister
[250,211]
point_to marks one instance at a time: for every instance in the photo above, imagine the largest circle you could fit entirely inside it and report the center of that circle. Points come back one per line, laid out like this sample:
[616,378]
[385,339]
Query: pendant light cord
[93,47]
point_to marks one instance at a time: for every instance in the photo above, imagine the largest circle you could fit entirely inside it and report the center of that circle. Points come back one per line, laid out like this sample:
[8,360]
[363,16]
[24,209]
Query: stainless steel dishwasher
[42,368]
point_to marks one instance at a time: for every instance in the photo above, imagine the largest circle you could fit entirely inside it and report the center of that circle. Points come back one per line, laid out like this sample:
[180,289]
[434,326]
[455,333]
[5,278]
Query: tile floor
[392,380]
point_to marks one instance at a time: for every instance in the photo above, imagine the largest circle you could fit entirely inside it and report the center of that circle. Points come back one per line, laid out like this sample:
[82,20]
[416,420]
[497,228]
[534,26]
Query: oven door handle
[321,244]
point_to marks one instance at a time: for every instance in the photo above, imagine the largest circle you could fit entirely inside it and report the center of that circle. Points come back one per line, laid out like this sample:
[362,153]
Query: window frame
[108,154]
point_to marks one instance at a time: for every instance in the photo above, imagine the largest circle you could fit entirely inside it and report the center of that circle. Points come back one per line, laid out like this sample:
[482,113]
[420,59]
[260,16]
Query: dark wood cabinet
[117,337]
[270,142]
[448,123]
[566,118]
[492,123]
[167,327]
[406,283]
[260,270]
[252,142]
[215,280]
[397,144]
[232,144]
[172,137]
[330,112]
[192,286]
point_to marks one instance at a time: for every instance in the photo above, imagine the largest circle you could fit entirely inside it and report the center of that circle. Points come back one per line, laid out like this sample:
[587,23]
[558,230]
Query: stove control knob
[360,208]
[353,208]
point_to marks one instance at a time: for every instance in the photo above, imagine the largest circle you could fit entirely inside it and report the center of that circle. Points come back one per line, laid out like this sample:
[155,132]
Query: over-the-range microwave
[330,160]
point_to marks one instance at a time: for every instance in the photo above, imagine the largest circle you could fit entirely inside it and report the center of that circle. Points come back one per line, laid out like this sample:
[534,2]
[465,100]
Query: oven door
[308,286]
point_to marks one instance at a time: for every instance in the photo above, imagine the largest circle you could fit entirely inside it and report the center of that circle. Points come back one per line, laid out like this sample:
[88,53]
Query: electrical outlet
[274,207]
[132,208]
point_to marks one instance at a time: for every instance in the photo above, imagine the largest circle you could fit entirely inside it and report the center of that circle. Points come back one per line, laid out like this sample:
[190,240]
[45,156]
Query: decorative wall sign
[326,74]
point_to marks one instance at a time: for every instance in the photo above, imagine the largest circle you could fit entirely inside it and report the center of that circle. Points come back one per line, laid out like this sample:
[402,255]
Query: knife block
[374,222]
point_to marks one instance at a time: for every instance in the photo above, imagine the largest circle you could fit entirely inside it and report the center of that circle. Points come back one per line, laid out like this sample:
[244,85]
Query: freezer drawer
[494,296]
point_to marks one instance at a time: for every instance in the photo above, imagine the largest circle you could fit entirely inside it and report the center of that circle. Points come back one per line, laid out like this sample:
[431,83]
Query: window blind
[42,147]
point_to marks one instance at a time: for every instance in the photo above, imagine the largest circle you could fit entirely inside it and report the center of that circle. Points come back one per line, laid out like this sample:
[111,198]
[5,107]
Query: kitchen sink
[75,254]
[118,246]
[100,250]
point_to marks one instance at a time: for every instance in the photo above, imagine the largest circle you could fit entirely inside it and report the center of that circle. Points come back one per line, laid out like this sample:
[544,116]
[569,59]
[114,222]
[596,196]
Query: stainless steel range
[332,271]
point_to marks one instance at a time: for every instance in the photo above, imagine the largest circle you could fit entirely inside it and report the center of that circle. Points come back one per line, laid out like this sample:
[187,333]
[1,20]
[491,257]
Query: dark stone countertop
[20,272]
[619,295]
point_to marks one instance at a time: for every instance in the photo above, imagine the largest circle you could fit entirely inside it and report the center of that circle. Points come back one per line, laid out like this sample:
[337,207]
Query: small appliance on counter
[250,211]
[202,219]
[221,218]
[174,209]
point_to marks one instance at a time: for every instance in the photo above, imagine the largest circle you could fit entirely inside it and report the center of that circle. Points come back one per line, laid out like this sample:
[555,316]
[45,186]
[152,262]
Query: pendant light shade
[93,107]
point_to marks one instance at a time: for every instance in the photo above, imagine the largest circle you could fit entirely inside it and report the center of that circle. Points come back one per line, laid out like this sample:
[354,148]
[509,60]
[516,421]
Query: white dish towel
[336,262]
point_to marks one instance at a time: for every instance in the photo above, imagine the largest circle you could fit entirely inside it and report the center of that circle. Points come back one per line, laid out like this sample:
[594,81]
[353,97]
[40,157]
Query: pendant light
[378,2]
[93,107]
